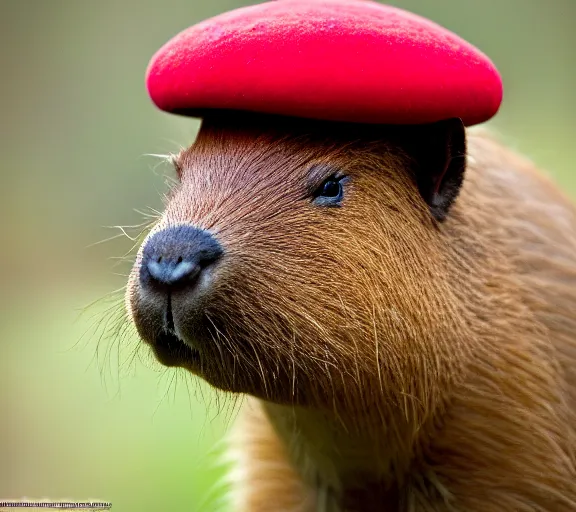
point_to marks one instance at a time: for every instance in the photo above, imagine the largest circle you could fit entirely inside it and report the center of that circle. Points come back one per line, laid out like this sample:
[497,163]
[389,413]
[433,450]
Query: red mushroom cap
[338,60]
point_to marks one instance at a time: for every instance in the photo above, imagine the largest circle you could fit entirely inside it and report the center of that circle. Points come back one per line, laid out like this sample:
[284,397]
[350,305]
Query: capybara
[398,303]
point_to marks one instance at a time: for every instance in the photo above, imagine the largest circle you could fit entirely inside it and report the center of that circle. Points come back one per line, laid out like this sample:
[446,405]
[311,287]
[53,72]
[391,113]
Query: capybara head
[302,262]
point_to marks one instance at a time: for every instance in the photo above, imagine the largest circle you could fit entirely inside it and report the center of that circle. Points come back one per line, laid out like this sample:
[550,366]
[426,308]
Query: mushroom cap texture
[335,60]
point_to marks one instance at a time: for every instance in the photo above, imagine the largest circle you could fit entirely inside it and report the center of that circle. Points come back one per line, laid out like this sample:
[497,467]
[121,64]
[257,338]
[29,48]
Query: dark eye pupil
[331,188]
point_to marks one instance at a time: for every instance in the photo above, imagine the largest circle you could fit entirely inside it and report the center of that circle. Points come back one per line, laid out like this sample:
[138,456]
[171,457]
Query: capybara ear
[438,152]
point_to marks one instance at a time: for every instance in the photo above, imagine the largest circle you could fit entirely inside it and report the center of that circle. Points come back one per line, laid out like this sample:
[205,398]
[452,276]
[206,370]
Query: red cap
[339,60]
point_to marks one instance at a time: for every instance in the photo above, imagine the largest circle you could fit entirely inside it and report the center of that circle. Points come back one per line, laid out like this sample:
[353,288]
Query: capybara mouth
[170,350]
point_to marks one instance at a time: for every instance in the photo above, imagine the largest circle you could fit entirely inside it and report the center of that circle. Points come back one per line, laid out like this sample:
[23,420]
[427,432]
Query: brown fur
[398,363]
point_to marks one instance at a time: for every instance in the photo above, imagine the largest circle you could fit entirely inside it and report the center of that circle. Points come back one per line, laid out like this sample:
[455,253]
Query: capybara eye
[330,192]
[331,188]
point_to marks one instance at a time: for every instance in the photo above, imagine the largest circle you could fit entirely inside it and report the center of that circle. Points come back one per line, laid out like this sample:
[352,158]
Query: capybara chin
[398,301]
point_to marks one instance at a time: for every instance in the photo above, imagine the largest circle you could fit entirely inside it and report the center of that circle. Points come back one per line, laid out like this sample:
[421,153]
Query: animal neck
[347,462]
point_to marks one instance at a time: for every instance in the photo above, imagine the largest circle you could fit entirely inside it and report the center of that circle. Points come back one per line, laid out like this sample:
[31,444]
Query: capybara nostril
[175,256]
[170,273]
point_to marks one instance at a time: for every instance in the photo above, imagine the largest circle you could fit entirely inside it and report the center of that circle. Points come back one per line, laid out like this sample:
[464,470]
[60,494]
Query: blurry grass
[137,440]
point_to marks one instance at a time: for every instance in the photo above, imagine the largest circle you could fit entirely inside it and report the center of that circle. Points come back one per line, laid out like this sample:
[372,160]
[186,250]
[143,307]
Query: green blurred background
[75,126]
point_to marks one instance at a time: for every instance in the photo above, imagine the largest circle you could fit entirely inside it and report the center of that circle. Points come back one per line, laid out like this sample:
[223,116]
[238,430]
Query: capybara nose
[176,256]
